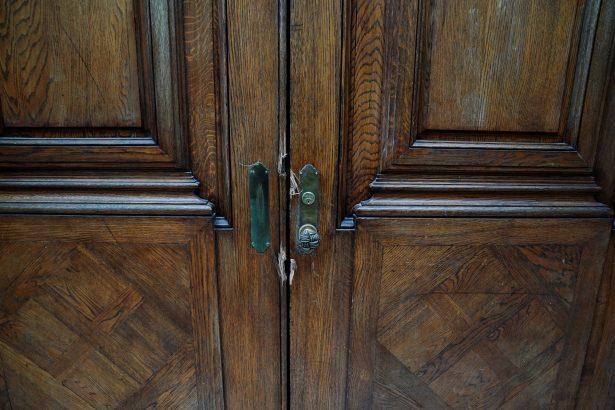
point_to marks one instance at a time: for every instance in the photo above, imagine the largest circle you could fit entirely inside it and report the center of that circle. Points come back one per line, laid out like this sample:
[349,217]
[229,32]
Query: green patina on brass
[308,204]
[259,207]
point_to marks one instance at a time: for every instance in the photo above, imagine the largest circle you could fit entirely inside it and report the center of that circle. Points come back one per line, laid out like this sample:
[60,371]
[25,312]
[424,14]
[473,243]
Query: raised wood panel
[514,82]
[467,88]
[108,86]
[472,313]
[523,89]
[69,63]
[109,312]
[102,84]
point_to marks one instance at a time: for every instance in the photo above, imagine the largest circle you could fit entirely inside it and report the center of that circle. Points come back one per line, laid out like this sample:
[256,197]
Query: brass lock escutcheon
[308,238]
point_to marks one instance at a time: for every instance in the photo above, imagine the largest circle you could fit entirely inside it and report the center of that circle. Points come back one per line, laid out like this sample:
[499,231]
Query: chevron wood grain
[109,322]
[469,320]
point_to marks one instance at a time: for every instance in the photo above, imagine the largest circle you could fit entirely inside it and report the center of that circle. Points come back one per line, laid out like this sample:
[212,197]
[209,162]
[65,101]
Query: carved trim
[172,193]
[494,208]
[173,181]
[483,196]
[487,184]
[382,103]
[84,156]
[106,141]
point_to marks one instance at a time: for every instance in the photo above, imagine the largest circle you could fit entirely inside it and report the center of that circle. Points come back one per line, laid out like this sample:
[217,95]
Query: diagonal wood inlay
[472,326]
[97,325]
[397,387]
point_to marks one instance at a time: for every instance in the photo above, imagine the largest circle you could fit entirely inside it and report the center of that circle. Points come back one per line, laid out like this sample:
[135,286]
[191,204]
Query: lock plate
[258,177]
[308,204]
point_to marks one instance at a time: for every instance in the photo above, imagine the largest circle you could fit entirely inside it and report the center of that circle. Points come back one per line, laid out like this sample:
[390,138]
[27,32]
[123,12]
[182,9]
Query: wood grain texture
[599,99]
[393,58]
[109,313]
[319,296]
[598,382]
[492,308]
[319,317]
[365,46]
[605,150]
[599,373]
[113,97]
[249,281]
[206,100]
[201,91]
[513,82]
[382,47]
[460,359]
[166,108]
[69,64]
[474,312]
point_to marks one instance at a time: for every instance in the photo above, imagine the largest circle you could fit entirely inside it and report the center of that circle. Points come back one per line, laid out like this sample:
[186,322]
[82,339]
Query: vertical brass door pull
[258,176]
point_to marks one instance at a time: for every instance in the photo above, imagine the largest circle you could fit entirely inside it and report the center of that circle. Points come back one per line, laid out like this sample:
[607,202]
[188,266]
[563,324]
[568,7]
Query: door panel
[433,87]
[41,39]
[132,122]
[459,171]
[512,83]
[109,312]
[91,82]
[472,313]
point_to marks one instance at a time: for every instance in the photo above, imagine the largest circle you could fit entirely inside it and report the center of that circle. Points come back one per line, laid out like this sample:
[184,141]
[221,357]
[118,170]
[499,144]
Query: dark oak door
[461,245]
[459,236]
[127,279]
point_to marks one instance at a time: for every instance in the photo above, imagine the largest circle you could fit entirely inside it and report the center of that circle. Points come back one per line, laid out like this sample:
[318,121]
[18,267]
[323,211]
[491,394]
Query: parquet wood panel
[487,321]
[108,322]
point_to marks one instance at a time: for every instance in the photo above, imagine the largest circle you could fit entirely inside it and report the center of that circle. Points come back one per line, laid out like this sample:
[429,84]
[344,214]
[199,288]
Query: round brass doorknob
[307,239]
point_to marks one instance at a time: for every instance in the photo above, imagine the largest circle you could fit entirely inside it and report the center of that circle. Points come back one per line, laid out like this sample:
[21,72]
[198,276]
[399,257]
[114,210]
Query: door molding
[390,150]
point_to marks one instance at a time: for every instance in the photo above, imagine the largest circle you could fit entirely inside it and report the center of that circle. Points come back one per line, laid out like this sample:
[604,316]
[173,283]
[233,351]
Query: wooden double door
[462,154]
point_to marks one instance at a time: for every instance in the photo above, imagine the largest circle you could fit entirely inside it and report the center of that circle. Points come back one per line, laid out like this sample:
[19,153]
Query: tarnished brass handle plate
[308,238]
[258,177]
